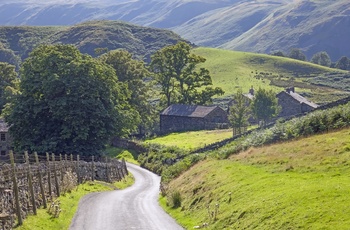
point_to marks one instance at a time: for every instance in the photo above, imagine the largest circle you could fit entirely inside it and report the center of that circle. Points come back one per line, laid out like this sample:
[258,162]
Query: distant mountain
[17,41]
[246,25]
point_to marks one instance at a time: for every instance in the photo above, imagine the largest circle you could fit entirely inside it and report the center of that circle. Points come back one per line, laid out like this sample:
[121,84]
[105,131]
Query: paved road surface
[133,208]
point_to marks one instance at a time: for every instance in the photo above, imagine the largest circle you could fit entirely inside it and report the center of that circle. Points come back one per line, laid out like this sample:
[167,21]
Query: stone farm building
[293,103]
[178,117]
[5,140]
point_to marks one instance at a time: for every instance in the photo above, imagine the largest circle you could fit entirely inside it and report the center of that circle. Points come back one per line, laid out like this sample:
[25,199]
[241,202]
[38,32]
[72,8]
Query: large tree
[135,75]
[297,54]
[321,58]
[343,63]
[8,83]
[69,103]
[180,79]
[264,105]
[239,112]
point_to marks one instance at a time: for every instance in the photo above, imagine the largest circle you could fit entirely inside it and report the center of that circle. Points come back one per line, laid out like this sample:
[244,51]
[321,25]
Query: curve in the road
[133,208]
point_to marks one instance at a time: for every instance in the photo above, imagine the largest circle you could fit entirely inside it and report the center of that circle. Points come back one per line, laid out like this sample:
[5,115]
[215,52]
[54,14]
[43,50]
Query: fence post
[93,168]
[15,189]
[40,180]
[61,167]
[107,171]
[55,174]
[30,183]
[49,174]
[78,174]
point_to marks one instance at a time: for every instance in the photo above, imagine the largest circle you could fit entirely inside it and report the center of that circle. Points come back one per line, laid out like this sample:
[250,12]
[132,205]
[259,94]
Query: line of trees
[320,58]
[68,102]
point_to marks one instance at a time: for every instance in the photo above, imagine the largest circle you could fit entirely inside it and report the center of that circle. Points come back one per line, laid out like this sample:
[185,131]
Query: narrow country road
[133,208]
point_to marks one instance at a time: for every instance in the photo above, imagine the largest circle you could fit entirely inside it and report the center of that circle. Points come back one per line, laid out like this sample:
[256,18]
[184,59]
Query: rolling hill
[231,70]
[17,41]
[255,26]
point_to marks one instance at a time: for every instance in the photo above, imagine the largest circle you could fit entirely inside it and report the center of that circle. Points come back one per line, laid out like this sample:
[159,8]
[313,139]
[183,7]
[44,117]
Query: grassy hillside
[232,69]
[298,184]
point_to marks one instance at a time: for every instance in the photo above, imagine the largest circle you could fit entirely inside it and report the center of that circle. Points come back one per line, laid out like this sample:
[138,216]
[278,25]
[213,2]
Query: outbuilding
[179,117]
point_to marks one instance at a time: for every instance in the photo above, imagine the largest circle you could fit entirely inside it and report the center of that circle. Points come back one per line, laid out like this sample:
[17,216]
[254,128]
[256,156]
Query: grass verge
[69,204]
[301,184]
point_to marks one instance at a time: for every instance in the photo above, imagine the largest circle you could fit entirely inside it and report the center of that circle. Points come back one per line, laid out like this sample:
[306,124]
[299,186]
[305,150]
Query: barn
[179,117]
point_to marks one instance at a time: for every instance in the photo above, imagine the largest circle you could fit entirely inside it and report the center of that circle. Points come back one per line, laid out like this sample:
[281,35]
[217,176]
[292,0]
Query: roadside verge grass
[301,184]
[69,205]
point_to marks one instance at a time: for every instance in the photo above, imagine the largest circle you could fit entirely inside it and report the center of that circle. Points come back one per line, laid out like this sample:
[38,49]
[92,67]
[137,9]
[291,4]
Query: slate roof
[300,98]
[188,110]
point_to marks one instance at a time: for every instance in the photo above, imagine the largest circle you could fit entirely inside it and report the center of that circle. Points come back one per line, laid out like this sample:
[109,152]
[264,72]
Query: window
[3,153]
[2,136]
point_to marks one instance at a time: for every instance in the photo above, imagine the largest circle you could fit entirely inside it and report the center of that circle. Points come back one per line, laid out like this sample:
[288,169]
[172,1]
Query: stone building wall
[177,123]
[289,106]
[215,119]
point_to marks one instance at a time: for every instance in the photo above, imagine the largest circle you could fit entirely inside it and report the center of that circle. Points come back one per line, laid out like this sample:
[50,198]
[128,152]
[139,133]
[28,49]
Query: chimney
[290,89]
[251,91]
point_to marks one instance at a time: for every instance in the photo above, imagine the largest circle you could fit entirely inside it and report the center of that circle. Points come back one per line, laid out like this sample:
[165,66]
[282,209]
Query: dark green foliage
[343,63]
[264,105]
[313,123]
[87,37]
[297,54]
[8,56]
[175,199]
[180,80]
[278,53]
[239,112]
[69,103]
[169,162]
[159,157]
[134,74]
[321,58]
[8,84]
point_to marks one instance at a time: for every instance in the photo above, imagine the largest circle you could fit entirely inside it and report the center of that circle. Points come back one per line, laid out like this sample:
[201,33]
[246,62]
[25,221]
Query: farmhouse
[178,117]
[293,103]
[5,140]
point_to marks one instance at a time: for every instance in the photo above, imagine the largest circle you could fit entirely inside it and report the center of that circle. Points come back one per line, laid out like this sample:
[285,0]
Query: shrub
[69,182]
[175,199]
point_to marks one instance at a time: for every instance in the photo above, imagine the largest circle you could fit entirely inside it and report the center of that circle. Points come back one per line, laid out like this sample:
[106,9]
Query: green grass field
[231,70]
[192,140]
[301,184]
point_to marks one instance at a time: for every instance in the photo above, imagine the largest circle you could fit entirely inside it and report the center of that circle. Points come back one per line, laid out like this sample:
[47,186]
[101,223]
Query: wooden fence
[28,182]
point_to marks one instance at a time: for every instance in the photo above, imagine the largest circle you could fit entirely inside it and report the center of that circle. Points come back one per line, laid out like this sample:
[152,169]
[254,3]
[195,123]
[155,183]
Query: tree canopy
[134,74]
[297,54]
[343,63]
[180,79]
[69,103]
[264,105]
[239,112]
[321,58]
[8,83]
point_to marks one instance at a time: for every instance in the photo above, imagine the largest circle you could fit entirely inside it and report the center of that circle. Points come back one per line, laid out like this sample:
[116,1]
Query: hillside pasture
[301,184]
[231,70]
[192,140]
